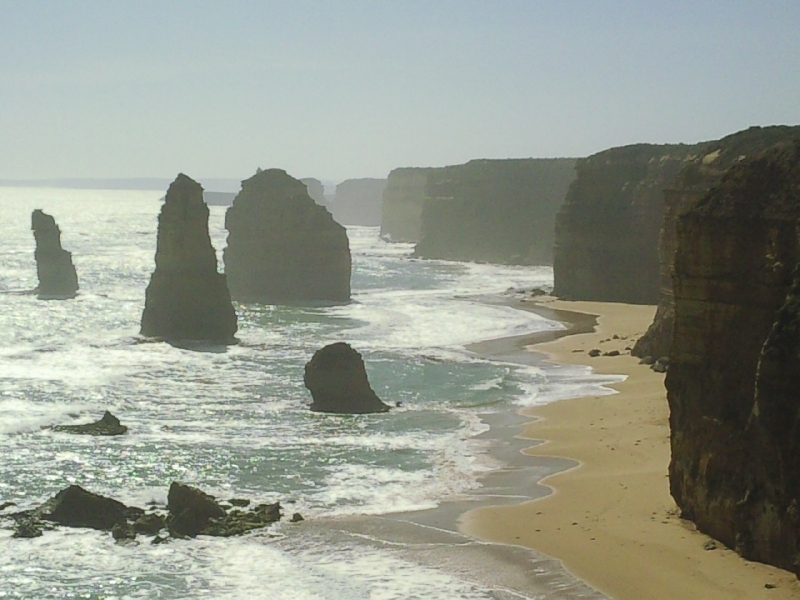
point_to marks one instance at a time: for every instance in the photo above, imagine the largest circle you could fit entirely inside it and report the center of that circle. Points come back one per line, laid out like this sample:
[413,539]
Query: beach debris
[594,352]
[770,586]
[337,380]
[710,545]
[611,353]
[107,425]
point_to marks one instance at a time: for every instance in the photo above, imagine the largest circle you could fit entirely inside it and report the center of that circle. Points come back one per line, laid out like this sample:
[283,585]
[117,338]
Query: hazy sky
[336,88]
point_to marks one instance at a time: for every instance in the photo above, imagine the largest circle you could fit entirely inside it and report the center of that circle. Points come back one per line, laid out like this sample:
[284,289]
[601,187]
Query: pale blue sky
[336,89]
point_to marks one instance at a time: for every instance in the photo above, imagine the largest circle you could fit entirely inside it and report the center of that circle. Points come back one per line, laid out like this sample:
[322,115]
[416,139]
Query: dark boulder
[190,510]
[149,524]
[107,425]
[123,531]
[76,507]
[57,276]
[27,528]
[187,298]
[338,382]
[282,246]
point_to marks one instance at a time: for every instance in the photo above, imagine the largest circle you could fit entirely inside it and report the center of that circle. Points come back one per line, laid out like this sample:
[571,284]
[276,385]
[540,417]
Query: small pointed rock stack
[187,298]
[57,276]
[282,246]
[338,382]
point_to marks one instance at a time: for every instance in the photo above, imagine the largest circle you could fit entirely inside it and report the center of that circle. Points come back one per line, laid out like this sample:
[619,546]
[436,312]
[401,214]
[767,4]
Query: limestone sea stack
[317,191]
[733,384]
[282,246]
[358,202]
[401,205]
[187,298]
[57,276]
[337,380]
[701,172]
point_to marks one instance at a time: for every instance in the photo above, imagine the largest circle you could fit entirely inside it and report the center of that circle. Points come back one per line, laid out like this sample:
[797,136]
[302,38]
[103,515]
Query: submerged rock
[107,425]
[338,382]
[187,298]
[57,276]
[76,507]
[282,246]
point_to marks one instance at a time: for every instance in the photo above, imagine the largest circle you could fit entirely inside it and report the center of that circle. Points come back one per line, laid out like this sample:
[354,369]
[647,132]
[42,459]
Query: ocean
[235,421]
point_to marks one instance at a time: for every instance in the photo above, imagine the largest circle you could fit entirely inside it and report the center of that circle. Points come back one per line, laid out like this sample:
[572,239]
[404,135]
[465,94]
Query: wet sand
[610,519]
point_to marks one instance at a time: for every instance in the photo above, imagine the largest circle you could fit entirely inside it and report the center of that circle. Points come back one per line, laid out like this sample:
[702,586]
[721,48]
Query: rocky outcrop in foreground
[498,211]
[607,231]
[733,383]
[57,276]
[282,246]
[703,171]
[338,382]
[107,425]
[401,205]
[189,512]
[186,298]
[358,202]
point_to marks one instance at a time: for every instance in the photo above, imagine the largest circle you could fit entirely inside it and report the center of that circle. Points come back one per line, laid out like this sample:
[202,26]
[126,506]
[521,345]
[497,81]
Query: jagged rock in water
[282,246]
[358,202]
[27,528]
[498,211]
[702,172]
[733,383]
[316,191]
[606,233]
[190,509]
[401,205]
[187,299]
[76,507]
[149,524]
[107,425]
[123,531]
[338,382]
[57,276]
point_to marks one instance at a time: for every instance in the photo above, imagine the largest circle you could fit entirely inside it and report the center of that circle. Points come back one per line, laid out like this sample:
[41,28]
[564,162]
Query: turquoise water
[236,422]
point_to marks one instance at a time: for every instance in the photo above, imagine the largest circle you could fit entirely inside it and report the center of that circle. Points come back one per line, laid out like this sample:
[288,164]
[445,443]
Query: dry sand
[611,520]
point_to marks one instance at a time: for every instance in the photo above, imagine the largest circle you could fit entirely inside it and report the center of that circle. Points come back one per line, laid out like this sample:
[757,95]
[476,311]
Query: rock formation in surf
[317,191]
[733,384]
[57,276]
[338,382]
[107,425]
[606,233]
[282,246]
[358,202]
[498,211]
[187,299]
[703,171]
[401,205]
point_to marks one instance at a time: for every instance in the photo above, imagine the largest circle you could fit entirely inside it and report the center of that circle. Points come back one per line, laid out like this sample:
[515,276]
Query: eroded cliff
[733,385]
[401,205]
[187,299]
[498,211]
[358,202]
[282,246]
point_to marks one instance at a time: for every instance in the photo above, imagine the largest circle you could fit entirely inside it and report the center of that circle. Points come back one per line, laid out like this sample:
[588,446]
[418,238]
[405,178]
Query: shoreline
[608,518]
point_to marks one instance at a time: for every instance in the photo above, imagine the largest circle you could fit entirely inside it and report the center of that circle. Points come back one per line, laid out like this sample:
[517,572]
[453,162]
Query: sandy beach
[610,520]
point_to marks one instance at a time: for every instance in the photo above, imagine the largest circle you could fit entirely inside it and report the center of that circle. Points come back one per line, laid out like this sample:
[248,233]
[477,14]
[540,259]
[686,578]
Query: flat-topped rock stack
[57,276]
[282,246]
[358,202]
[187,299]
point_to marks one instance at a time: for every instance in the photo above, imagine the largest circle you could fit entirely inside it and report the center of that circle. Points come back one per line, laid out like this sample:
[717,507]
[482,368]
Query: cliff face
[282,246]
[499,211]
[703,171]
[186,298]
[358,202]
[401,205]
[733,383]
[57,276]
[606,236]
[317,191]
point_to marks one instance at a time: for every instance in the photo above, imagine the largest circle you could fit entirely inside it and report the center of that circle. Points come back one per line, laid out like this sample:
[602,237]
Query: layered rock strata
[282,246]
[187,299]
[498,211]
[358,202]
[703,171]
[606,233]
[401,204]
[733,385]
[337,380]
[57,276]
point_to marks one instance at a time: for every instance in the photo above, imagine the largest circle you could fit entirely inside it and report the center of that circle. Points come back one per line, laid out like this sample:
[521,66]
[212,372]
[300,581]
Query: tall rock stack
[401,206]
[702,172]
[733,384]
[57,276]
[358,202]
[282,246]
[606,234]
[187,298]
[317,191]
